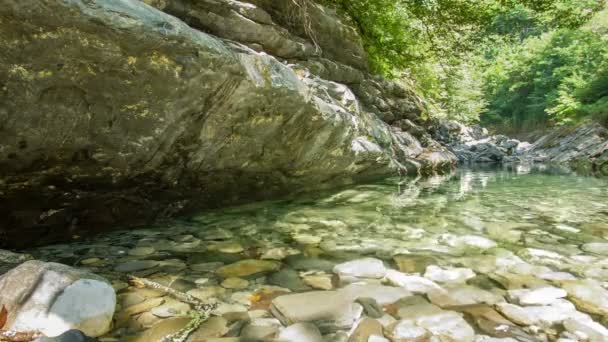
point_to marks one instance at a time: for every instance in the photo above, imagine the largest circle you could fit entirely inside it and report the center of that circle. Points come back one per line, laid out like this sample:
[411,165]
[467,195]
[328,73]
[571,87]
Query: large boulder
[54,298]
[113,111]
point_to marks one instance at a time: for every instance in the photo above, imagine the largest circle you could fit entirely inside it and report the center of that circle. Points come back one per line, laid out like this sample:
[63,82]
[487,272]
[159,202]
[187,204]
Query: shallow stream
[514,228]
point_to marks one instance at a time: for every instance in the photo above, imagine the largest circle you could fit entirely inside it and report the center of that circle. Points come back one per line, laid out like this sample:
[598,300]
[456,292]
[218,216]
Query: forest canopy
[507,63]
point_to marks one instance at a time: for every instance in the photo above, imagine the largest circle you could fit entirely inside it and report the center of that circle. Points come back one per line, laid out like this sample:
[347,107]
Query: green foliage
[507,62]
[556,78]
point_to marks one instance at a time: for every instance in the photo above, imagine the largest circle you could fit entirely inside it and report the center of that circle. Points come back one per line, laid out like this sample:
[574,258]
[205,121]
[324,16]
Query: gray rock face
[113,111]
[54,298]
[583,148]
[473,144]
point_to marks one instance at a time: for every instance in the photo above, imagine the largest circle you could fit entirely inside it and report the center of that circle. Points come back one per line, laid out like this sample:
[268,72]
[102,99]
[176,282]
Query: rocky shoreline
[582,148]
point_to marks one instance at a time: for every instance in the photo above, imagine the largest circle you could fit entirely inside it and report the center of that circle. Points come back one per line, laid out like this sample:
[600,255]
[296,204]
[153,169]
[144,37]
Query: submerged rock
[448,275]
[362,268]
[588,295]
[335,309]
[248,267]
[55,298]
[300,332]
[539,296]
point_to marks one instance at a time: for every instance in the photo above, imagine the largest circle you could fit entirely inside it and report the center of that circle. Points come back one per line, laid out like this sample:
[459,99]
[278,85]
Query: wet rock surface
[581,148]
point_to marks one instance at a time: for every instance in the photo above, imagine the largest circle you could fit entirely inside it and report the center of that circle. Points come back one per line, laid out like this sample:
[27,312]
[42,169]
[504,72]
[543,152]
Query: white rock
[467,241]
[407,330]
[307,239]
[594,331]
[362,268]
[448,275]
[377,338]
[459,295]
[556,276]
[588,295]
[448,325]
[596,247]
[539,296]
[541,315]
[411,283]
[54,298]
[300,332]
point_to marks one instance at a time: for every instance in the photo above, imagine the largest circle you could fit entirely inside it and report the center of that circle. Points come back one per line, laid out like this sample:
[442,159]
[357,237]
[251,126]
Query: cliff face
[113,112]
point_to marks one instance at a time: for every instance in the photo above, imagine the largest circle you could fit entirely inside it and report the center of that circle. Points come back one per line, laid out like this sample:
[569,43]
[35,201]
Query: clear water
[540,216]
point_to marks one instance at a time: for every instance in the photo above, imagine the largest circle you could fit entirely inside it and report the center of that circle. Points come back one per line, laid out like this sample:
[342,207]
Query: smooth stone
[136,265]
[414,284]
[142,251]
[594,331]
[468,242]
[447,325]
[539,296]
[600,248]
[54,298]
[204,293]
[150,293]
[540,315]
[307,239]
[407,331]
[89,261]
[377,338]
[9,257]
[248,267]
[147,319]
[160,330]
[279,253]
[588,296]
[416,306]
[386,320]
[335,309]
[129,299]
[459,295]
[235,283]
[146,305]
[339,336]
[288,278]
[225,308]
[259,332]
[364,329]
[300,332]
[362,268]
[319,281]
[118,285]
[490,322]
[448,275]
[171,308]
[380,293]
[206,266]
[212,328]
[413,263]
